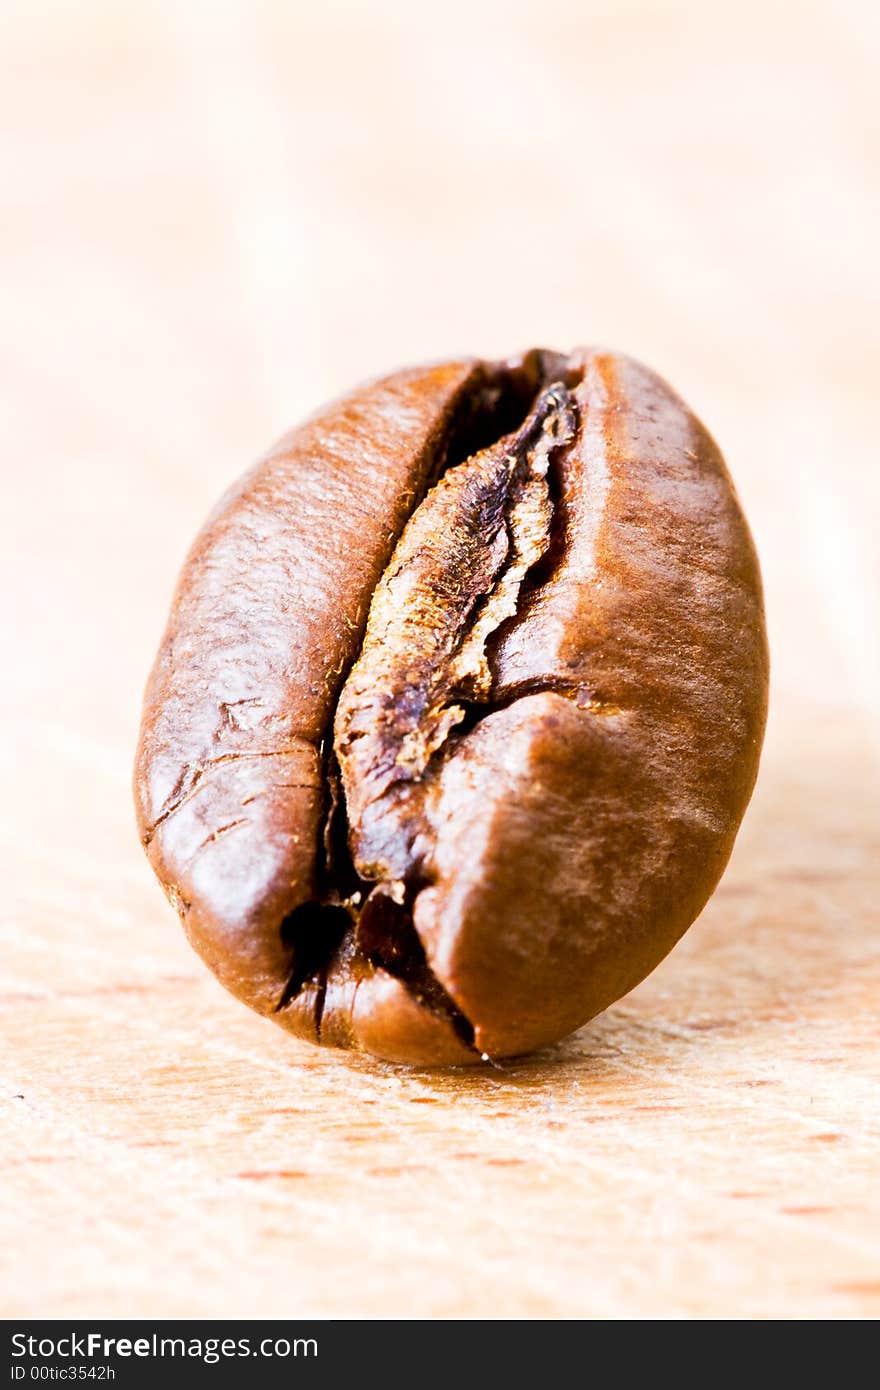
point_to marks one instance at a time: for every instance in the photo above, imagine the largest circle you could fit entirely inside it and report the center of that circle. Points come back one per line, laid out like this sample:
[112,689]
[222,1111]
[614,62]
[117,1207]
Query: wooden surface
[214,217]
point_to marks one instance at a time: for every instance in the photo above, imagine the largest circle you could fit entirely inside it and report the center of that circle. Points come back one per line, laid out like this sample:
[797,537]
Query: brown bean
[459,707]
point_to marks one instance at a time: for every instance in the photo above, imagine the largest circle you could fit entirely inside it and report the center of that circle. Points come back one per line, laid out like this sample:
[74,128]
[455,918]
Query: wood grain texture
[212,218]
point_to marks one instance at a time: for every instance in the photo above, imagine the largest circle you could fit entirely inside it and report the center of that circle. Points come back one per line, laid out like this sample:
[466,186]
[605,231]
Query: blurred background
[215,216]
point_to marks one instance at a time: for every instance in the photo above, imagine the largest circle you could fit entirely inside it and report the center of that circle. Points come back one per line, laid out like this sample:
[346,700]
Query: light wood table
[211,219]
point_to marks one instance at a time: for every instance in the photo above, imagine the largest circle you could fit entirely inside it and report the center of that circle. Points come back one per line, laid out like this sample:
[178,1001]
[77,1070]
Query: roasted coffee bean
[459,707]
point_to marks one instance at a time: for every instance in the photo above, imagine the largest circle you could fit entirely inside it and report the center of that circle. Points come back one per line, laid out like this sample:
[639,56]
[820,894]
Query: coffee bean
[459,707]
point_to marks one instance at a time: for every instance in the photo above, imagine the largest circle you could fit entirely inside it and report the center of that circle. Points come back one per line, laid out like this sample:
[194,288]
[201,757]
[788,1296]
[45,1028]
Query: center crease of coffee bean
[422,681]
